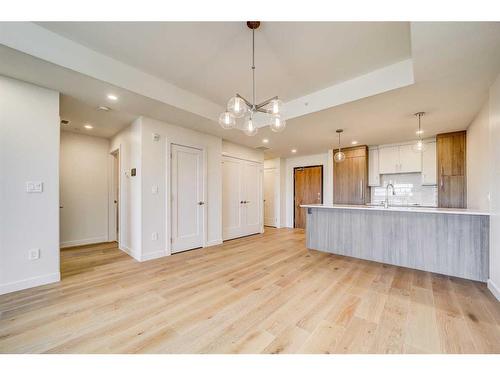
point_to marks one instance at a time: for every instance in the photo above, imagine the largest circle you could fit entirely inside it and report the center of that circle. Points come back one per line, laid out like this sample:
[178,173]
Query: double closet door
[242,213]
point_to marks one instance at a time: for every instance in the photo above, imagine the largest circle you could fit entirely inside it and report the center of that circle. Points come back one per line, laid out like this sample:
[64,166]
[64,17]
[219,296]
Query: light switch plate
[154,236]
[154,189]
[34,186]
[34,254]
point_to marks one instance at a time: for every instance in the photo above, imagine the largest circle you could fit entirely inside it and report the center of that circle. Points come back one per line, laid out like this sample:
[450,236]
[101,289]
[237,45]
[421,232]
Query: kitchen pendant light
[339,155]
[238,107]
[419,145]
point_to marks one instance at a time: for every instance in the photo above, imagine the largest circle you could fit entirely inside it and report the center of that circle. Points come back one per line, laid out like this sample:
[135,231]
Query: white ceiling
[79,114]
[213,59]
[454,64]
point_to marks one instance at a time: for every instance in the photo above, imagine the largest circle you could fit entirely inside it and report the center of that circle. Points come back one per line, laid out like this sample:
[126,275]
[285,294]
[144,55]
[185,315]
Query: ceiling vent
[262,148]
[65,122]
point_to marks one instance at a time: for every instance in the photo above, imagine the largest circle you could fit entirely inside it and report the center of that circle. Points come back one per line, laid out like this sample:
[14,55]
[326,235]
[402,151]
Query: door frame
[276,197]
[112,217]
[322,177]
[168,194]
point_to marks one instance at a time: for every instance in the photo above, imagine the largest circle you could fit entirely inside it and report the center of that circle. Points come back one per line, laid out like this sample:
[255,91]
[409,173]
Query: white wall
[128,141]
[83,189]
[478,160]
[144,212]
[494,118]
[156,170]
[29,151]
[326,161]
[242,152]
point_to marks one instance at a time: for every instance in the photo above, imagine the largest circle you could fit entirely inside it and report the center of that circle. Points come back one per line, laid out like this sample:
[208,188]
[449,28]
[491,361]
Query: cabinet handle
[441,182]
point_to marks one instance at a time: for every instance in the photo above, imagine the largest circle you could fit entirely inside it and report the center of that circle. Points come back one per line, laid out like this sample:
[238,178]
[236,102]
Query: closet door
[252,188]
[232,198]
[187,198]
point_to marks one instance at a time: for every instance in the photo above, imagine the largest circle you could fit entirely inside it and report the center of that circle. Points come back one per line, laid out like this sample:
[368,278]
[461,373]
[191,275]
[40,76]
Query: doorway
[307,189]
[270,212]
[114,199]
[187,197]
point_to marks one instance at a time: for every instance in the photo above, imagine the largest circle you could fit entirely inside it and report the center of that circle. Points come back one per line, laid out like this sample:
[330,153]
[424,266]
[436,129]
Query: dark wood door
[308,189]
[451,168]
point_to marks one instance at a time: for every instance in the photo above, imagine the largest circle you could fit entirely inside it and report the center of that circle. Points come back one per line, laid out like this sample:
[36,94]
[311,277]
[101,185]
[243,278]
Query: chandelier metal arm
[266,102]
[250,105]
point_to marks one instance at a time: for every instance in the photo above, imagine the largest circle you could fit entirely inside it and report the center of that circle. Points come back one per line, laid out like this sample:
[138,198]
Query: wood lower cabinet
[350,177]
[451,170]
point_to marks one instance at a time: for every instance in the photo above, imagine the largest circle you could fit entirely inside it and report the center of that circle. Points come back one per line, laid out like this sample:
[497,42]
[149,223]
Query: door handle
[201,203]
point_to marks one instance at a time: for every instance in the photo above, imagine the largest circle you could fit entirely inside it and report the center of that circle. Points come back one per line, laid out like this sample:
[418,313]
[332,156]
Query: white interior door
[252,188]
[269,197]
[232,198]
[187,198]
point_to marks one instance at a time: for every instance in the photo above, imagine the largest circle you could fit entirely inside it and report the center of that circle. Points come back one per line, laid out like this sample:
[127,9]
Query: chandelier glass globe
[278,124]
[249,128]
[237,107]
[276,106]
[227,120]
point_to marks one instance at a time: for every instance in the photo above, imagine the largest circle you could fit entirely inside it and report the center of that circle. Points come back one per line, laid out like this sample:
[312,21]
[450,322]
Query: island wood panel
[308,189]
[451,166]
[449,244]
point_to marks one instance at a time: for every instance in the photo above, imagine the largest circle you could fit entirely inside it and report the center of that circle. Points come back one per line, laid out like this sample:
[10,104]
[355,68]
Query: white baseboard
[85,241]
[494,289]
[30,283]
[155,255]
[213,242]
[129,251]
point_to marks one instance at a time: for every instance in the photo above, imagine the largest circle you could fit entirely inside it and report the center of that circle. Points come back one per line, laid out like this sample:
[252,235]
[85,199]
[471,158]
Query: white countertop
[430,210]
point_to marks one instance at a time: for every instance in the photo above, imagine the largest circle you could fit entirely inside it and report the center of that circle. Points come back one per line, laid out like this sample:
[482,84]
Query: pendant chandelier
[419,145]
[339,155]
[240,108]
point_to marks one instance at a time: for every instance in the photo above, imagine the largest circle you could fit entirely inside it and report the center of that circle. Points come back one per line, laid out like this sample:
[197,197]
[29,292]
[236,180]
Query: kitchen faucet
[386,202]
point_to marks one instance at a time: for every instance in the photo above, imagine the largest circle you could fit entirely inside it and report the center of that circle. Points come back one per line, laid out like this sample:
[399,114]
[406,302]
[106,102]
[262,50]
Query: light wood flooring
[260,294]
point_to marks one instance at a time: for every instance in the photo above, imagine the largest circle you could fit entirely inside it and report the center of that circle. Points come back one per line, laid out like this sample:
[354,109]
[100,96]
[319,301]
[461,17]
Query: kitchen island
[452,242]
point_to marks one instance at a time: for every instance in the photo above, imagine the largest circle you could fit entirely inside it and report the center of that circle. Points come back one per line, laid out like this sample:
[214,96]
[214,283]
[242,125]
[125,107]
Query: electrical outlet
[34,254]
[154,236]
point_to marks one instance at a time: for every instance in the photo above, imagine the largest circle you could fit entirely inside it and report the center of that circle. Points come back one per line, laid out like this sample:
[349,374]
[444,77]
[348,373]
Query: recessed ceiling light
[88,126]
[294,150]
[354,142]
[103,108]
[112,97]
[265,140]
[419,132]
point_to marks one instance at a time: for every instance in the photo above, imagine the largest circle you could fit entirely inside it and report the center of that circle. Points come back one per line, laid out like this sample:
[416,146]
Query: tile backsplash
[409,190]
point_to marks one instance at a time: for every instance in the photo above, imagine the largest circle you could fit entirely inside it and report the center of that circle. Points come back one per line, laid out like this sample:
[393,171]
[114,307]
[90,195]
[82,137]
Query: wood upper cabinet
[452,183]
[350,177]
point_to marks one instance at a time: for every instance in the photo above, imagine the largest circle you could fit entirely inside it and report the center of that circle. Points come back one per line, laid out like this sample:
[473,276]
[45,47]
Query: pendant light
[419,145]
[339,155]
[240,108]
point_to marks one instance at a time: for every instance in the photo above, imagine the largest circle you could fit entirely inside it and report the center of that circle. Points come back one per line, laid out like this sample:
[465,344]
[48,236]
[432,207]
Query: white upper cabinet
[373,167]
[409,160]
[388,159]
[429,172]
[399,159]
